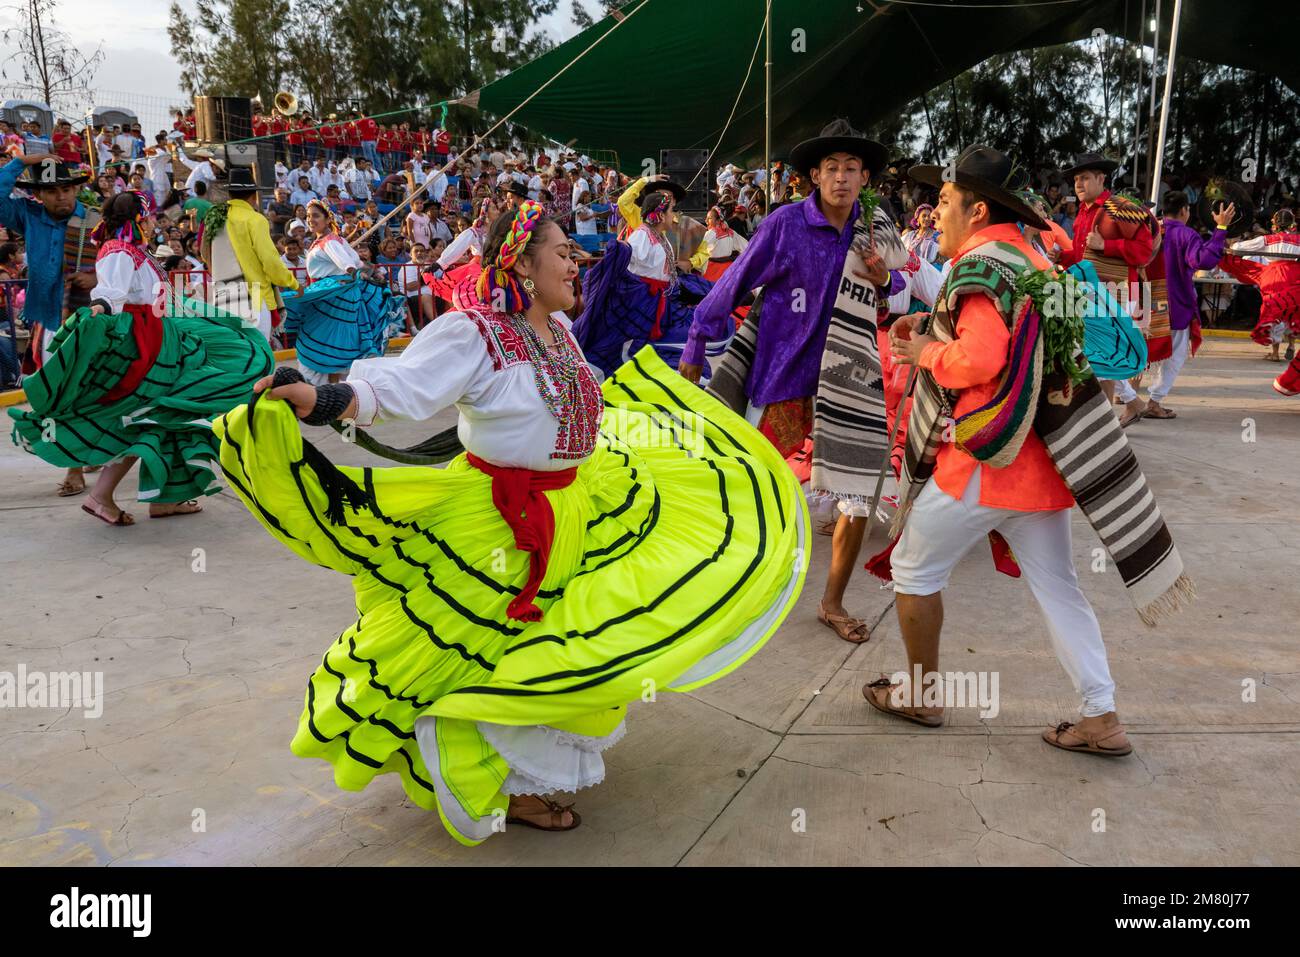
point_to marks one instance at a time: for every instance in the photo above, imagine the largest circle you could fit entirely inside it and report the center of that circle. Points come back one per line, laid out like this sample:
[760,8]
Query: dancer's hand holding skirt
[678,551]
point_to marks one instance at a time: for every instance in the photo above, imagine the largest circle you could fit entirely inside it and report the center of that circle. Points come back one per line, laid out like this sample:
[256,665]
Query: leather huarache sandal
[845,626]
[100,511]
[1088,742]
[555,810]
[872,691]
[191,507]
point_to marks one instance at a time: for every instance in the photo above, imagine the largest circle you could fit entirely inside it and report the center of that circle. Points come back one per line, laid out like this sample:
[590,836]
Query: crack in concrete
[781,736]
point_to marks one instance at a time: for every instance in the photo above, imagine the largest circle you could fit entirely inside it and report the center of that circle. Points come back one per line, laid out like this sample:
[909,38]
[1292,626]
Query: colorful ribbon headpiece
[660,209]
[481,219]
[498,274]
[130,231]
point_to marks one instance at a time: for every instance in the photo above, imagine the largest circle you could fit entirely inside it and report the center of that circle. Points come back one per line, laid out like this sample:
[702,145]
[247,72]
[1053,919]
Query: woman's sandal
[67,488]
[1162,414]
[100,511]
[845,626]
[191,507]
[1089,742]
[887,707]
[555,809]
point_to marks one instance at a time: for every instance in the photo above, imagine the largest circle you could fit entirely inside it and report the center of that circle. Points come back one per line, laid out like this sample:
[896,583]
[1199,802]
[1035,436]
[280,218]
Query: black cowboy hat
[1087,161]
[518,188]
[838,136]
[665,186]
[52,171]
[240,180]
[988,173]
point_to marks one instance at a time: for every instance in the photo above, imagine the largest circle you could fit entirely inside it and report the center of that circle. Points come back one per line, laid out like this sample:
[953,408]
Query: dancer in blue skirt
[340,317]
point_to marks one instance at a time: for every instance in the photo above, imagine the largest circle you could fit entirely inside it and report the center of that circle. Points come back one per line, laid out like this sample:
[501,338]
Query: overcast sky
[137,57]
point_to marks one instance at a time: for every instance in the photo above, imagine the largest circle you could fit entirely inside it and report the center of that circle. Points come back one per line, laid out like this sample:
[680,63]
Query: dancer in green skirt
[596,545]
[124,383]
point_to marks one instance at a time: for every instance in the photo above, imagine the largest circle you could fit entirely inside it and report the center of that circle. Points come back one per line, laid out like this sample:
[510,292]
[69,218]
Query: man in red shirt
[352,136]
[369,140]
[310,137]
[963,500]
[329,137]
[384,147]
[67,146]
[442,144]
[278,126]
[1089,173]
[259,125]
[294,139]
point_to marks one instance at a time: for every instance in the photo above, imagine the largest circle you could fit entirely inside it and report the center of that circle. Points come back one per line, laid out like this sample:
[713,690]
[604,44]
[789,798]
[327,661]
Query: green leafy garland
[215,219]
[1060,319]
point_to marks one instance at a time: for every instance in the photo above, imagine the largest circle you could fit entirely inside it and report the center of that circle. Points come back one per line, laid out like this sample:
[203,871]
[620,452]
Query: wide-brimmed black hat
[53,171]
[240,180]
[665,186]
[1087,161]
[518,188]
[988,173]
[838,136]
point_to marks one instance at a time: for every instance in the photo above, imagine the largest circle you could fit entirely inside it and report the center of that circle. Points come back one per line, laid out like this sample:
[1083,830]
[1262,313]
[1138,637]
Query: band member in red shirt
[384,146]
[426,140]
[294,139]
[352,136]
[442,144]
[369,140]
[310,137]
[259,125]
[329,137]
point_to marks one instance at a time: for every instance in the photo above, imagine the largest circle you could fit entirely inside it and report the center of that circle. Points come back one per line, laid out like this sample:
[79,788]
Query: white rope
[481,136]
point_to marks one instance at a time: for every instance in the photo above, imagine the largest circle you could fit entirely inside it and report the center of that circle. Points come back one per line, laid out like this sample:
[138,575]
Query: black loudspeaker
[219,119]
[687,167]
[264,169]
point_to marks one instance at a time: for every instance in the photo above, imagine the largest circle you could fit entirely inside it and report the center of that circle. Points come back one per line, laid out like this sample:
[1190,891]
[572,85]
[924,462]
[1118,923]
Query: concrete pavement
[780,763]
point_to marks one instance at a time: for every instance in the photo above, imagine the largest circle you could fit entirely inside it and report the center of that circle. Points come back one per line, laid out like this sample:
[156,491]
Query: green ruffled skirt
[208,364]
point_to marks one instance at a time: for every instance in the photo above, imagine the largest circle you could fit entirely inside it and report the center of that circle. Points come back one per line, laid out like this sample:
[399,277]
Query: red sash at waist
[147,330]
[657,287]
[517,495]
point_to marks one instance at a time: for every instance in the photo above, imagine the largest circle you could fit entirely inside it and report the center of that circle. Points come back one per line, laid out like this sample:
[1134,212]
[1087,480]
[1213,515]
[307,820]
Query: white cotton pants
[941,530]
[1166,370]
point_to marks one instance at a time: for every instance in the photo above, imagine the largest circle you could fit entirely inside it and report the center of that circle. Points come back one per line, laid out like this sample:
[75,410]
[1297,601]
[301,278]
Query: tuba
[285,103]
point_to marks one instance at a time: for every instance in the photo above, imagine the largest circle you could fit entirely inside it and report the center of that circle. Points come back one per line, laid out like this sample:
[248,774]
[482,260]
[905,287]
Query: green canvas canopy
[667,71]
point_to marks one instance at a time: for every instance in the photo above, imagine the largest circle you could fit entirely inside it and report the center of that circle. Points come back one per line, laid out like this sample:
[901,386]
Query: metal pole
[767,108]
[1164,111]
[1137,93]
[1155,73]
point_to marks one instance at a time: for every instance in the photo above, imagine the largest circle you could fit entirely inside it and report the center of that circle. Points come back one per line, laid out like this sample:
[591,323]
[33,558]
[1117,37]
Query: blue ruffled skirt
[339,320]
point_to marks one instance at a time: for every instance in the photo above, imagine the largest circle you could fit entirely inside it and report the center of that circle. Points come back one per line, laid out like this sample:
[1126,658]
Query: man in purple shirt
[798,257]
[1184,253]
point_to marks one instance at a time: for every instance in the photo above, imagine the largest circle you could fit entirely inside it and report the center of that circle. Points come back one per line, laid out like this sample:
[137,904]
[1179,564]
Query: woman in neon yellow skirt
[596,544]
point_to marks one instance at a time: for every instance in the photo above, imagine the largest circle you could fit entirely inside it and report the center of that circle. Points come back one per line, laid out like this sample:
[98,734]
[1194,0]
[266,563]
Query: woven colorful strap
[497,275]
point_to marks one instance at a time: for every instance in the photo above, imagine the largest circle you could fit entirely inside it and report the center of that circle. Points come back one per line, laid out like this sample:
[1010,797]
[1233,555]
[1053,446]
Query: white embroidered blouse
[479,363]
[650,255]
[126,274]
[331,256]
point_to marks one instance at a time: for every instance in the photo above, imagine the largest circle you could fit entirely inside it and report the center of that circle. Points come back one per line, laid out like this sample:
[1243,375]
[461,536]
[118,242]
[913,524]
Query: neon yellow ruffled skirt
[679,550]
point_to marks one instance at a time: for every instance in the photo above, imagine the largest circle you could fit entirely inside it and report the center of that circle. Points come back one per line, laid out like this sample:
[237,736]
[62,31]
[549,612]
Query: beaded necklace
[554,370]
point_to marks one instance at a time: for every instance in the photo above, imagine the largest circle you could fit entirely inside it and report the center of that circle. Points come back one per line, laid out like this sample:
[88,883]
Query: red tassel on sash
[517,495]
